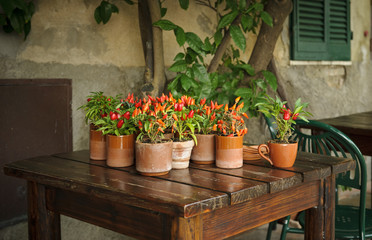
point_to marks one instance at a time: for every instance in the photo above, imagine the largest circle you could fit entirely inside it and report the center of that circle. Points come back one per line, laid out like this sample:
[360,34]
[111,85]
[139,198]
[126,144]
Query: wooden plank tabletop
[189,192]
[358,123]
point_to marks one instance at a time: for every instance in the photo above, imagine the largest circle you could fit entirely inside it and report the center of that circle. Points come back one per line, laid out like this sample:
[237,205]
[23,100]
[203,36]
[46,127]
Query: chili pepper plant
[230,121]
[206,115]
[284,118]
[185,123]
[119,121]
[97,107]
[152,116]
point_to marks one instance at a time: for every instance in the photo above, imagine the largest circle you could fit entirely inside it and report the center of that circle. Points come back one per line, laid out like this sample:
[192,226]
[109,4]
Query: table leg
[42,223]
[187,228]
[320,220]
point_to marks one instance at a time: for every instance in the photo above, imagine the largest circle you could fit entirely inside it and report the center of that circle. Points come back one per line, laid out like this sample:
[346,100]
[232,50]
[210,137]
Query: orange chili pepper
[240,106]
[233,107]
[237,99]
[245,115]
[175,117]
[219,106]
[226,108]
[231,135]
[214,127]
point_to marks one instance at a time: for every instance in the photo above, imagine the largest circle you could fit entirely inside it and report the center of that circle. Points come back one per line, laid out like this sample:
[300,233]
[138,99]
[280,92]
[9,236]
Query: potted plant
[119,127]
[204,152]
[153,151]
[96,108]
[230,129]
[183,127]
[282,150]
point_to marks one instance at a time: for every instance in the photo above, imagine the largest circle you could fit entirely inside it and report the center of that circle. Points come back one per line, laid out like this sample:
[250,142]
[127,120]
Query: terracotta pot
[229,152]
[205,151]
[181,154]
[153,159]
[120,150]
[282,155]
[97,145]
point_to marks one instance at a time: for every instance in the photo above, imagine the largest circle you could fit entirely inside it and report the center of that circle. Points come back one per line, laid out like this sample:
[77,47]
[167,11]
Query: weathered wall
[65,42]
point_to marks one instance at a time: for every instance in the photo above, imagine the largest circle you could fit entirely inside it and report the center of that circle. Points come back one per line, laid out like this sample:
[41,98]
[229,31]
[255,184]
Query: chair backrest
[321,138]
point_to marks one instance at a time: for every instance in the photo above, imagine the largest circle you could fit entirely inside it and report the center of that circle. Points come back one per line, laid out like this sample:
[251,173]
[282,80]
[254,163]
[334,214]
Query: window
[320,30]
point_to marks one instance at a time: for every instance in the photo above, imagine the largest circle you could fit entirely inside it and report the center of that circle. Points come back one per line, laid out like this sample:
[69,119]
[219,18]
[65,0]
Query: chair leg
[285,228]
[271,227]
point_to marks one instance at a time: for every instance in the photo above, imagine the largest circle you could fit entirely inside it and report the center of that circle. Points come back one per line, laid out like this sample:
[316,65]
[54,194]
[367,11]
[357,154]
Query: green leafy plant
[15,15]
[194,77]
[97,107]
[283,117]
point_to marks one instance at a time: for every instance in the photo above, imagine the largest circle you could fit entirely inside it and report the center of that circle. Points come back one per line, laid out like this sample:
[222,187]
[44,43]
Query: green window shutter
[309,33]
[339,30]
[320,30]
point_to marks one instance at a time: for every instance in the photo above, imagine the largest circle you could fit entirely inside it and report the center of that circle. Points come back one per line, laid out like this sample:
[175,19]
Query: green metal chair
[317,137]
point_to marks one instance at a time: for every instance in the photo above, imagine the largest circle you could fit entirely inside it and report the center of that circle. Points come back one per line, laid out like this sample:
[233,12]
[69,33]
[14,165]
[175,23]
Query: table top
[358,123]
[185,193]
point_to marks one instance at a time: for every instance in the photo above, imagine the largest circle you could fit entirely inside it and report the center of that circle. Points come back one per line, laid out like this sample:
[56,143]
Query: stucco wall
[65,42]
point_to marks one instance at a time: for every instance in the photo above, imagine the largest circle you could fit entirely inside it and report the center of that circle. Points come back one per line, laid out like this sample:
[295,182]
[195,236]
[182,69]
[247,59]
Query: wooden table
[201,202]
[358,127]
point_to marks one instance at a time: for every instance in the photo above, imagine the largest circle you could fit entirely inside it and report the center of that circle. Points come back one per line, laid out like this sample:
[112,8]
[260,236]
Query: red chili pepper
[113,116]
[176,107]
[180,107]
[120,123]
[89,99]
[202,101]
[286,115]
[295,116]
[126,115]
[165,116]
[191,114]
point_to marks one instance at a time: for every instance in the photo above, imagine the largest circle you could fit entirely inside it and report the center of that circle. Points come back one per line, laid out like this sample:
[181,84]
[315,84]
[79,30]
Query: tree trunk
[263,50]
[152,42]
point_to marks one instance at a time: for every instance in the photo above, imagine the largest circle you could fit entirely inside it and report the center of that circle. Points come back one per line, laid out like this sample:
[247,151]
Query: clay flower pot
[205,151]
[120,150]
[281,155]
[97,145]
[153,159]
[181,154]
[229,152]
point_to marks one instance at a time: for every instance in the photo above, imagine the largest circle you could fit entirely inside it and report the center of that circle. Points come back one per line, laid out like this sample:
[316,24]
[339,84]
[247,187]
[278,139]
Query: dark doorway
[35,120]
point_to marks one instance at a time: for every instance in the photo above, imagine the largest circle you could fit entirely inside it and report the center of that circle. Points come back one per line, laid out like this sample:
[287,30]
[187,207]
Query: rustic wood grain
[153,193]
[42,223]
[228,221]
[201,202]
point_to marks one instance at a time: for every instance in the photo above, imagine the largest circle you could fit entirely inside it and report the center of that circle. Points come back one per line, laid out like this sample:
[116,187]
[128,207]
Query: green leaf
[200,73]
[174,83]
[242,5]
[163,11]
[194,42]
[184,4]
[243,92]
[247,67]
[27,29]
[261,84]
[178,66]
[247,22]
[129,2]
[97,15]
[227,19]
[179,56]
[218,38]
[106,9]
[258,7]
[17,21]
[207,45]
[266,18]
[238,37]
[180,36]
[271,79]
[186,82]
[165,24]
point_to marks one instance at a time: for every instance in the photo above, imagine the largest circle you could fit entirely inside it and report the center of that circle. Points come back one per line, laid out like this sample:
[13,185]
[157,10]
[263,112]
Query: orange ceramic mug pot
[282,155]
